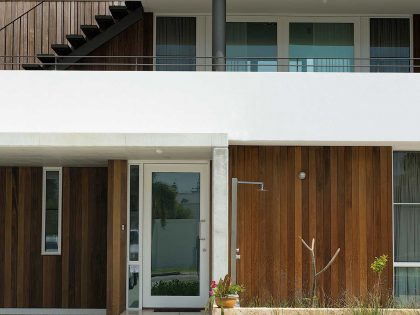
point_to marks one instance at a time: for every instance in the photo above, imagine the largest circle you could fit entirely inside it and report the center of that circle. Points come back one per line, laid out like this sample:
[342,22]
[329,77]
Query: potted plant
[224,293]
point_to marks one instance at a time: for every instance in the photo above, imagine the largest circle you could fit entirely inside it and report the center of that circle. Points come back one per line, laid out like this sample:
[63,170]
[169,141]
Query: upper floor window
[176,43]
[51,211]
[251,46]
[321,47]
[390,44]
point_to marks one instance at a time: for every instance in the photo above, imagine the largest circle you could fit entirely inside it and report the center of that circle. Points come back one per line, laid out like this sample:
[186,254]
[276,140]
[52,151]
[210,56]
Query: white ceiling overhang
[85,149]
[273,7]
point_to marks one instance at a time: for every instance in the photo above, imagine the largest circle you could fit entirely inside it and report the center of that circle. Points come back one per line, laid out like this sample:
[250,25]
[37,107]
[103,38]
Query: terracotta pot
[226,302]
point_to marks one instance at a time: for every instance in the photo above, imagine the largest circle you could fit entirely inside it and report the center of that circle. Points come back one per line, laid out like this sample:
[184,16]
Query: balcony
[237,64]
[176,36]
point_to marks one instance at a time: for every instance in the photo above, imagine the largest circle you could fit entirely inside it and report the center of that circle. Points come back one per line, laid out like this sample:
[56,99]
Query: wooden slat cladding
[84,252]
[137,40]
[30,280]
[46,24]
[345,201]
[117,237]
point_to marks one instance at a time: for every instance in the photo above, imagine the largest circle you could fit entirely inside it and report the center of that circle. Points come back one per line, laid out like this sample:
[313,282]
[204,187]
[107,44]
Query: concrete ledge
[313,311]
[113,140]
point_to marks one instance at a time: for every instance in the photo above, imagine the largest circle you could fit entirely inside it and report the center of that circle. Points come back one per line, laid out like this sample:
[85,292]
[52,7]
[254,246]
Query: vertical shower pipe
[234,251]
[234,229]
[219,35]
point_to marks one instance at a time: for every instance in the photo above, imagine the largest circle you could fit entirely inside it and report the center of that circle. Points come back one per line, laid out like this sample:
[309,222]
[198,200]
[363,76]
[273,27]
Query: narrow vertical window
[134,241]
[175,43]
[407,227]
[390,44]
[51,211]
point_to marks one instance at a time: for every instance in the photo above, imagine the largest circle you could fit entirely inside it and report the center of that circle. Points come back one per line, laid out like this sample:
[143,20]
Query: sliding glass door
[321,47]
[251,46]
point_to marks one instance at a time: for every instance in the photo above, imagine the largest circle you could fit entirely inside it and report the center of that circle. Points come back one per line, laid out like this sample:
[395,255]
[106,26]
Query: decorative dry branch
[316,274]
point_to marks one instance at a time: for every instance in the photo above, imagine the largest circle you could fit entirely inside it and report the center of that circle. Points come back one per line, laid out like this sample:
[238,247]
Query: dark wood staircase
[78,46]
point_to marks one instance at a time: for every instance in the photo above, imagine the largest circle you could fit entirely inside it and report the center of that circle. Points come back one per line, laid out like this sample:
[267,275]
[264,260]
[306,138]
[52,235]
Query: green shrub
[379,264]
[176,288]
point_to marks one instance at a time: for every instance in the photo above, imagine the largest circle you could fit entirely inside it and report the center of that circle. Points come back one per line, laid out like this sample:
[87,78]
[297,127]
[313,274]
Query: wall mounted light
[302,175]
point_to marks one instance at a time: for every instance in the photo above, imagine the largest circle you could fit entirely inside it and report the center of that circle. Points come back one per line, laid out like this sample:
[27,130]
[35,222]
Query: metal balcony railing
[237,64]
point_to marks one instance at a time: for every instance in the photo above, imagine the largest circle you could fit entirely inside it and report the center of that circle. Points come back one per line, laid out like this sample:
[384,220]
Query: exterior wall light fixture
[302,175]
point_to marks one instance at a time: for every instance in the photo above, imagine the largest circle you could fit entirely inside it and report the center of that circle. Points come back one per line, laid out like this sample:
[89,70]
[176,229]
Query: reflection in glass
[134,213]
[175,234]
[407,233]
[51,210]
[407,177]
[133,286]
[254,40]
[407,286]
[175,43]
[321,47]
[390,39]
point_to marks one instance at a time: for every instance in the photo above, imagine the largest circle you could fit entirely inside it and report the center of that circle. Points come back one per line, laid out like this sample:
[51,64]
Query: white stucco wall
[266,108]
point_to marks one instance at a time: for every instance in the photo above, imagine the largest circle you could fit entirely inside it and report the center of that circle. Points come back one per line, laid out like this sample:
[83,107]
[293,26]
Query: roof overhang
[85,149]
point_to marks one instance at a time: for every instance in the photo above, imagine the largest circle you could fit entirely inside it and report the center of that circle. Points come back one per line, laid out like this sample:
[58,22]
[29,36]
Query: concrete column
[219,35]
[220,211]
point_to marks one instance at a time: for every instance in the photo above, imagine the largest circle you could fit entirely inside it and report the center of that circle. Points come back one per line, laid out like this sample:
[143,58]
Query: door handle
[200,237]
[238,256]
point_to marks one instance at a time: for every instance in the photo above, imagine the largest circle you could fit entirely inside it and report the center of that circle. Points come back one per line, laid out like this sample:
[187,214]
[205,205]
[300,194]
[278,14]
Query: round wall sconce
[302,175]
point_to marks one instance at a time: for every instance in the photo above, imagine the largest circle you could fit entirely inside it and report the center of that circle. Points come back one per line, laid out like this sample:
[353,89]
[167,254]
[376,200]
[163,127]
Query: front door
[176,235]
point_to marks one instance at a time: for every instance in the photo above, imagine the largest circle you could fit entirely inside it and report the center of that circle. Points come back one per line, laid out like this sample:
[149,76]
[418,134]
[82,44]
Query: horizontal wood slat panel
[30,280]
[345,201]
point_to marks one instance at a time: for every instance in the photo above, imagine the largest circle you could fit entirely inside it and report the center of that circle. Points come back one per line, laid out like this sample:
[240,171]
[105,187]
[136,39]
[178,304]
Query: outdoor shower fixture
[234,251]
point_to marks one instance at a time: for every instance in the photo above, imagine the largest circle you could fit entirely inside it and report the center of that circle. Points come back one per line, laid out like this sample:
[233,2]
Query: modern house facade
[132,159]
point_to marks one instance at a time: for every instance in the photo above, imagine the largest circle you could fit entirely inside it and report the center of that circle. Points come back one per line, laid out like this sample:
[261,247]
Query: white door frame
[169,301]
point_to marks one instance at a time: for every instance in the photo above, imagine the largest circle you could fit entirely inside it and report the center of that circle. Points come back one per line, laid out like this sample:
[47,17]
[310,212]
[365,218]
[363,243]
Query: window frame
[200,40]
[365,37]
[60,206]
[139,263]
[361,33]
[399,264]
[355,20]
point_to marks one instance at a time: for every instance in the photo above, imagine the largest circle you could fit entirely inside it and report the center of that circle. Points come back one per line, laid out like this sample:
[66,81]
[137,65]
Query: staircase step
[118,11]
[76,40]
[61,49]
[90,31]
[32,66]
[46,58]
[104,21]
[133,5]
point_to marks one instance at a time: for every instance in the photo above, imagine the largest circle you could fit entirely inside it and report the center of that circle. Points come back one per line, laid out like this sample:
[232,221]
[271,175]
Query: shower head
[259,184]
[262,189]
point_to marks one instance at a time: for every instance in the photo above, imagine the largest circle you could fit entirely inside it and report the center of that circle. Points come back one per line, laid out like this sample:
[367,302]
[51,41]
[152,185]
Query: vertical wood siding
[344,202]
[117,237]
[47,24]
[137,40]
[76,278]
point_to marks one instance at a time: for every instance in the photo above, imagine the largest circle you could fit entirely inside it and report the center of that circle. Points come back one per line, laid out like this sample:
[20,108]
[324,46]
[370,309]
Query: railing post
[219,35]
